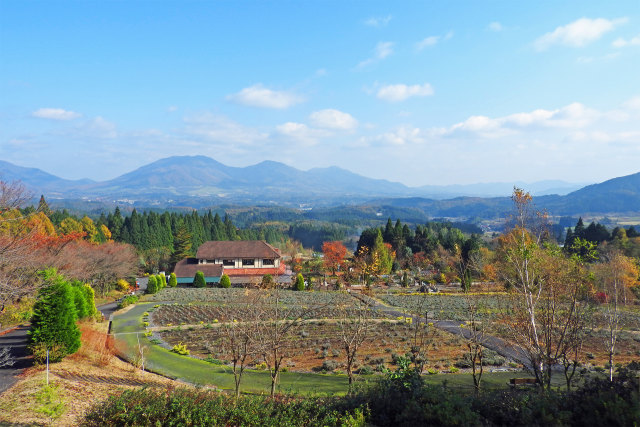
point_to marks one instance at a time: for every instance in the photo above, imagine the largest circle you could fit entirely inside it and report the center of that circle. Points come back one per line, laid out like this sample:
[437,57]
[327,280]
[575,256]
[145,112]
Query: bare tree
[276,329]
[614,275]
[422,332]
[354,323]
[238,336]
[476,338]
[547,306]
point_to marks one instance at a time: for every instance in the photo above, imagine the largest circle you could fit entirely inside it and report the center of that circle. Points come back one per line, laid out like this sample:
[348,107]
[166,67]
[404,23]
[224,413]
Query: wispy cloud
[301,133]
[380,52]
[221,129]
[380,21]
[495,26]
[402,135]
[401,92]
[620,42]
[261,97]
[578,33]
[333,119]
[432,41]
[55,114]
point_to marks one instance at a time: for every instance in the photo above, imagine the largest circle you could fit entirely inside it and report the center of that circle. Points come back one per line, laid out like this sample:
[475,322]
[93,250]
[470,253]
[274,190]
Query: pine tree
[43,206]
[53,324]
[181,244]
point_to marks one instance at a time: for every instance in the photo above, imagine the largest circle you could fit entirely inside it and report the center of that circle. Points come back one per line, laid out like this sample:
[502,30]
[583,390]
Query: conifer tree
[152,285]
[225,281]
[198,280]
[53,324]
[181,244]
[299,286]
[173,280]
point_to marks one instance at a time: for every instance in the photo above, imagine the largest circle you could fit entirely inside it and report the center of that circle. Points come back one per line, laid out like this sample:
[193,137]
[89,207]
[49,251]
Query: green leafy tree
[152,285]
[225,282]
[53,324]
[299,285]
[198,280]
[173,280]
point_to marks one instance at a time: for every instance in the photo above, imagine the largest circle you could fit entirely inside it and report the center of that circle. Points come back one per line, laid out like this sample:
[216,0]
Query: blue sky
[437,92]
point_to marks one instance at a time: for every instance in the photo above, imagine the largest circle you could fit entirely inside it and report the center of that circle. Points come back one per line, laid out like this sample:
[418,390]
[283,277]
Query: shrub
[198,280]
[329,365]
[122,285]
[162,281]
[152,285]
[54,317]
[299,285]
[173,280]
[225,282]
[180,349]
[127,301]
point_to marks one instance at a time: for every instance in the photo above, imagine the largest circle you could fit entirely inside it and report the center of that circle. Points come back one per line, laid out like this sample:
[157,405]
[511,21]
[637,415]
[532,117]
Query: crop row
[178,314]
[446,307]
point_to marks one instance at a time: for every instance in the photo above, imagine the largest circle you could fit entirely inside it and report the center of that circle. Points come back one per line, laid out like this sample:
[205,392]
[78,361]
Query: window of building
[229,262]
[268,261]
[248,262]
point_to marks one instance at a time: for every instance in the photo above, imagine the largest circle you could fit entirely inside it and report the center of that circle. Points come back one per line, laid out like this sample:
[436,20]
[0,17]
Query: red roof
[255,271]
[237,249]
[188,267]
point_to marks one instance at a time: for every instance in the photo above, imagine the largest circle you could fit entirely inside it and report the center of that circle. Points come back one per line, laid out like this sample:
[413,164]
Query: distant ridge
[197,181]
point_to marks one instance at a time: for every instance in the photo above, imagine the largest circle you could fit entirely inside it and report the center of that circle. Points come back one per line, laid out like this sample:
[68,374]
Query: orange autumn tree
[334,253]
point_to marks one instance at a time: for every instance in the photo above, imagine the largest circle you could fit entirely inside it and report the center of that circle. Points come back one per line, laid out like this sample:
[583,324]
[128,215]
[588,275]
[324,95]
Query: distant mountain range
[199,181]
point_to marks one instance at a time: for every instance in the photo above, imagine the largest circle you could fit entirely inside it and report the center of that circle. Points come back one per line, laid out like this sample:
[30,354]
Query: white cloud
[578,33]
[426,42]
[172,109]
[495,26]
[620,42]
[301,133]
[633,103]
[401,92]
[378,21]
[402,135]
[221,129]
[432,41]
[55,114]
[572,116]
[100,128]
[261,97]
[333,119]
[380,52]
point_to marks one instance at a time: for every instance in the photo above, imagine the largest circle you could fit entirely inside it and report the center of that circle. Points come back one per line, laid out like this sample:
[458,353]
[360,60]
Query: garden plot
[316,346]
[445,307]
[198,314]
[236,295]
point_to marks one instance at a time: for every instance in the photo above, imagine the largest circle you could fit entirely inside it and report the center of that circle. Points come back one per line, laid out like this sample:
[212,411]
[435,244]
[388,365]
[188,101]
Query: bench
[523,381]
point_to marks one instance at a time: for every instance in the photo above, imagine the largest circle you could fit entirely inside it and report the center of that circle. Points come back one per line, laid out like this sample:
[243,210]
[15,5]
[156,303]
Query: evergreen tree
[299,286]
[43,206]
[53,324]
[152,285]
[198,280]
[173,280]
[225,282]
[181,244]
[80,301]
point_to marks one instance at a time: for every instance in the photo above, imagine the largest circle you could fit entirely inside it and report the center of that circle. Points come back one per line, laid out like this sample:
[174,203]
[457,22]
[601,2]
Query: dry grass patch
[82,380]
